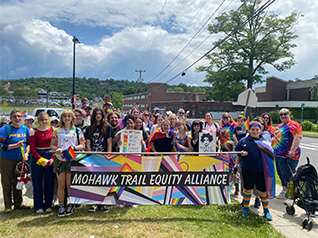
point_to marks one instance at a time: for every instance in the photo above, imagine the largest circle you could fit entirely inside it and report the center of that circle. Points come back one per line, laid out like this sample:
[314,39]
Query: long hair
[270,121]
[66,112]
[226,115]
[93,125]
[196,122]
[182,122]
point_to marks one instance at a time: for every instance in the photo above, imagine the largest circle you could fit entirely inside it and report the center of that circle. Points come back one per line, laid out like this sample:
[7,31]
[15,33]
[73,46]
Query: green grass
[143,221]
[310,133]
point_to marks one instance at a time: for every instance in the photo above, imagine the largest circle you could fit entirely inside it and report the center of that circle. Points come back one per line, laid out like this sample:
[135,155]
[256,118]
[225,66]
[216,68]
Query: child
[238,132]
[65,136]
[234,176]
[253,148]
[107,105]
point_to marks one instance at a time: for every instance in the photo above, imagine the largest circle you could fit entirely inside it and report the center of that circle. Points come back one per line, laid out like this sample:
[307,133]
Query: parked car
[51,111]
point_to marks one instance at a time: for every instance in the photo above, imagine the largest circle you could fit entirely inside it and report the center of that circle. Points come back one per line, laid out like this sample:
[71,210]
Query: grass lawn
[310,133]
[143,221]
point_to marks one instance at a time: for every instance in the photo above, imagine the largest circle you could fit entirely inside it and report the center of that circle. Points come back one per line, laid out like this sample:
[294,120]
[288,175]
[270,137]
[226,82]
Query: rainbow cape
[69,154]
[246,126]
[159,134]
[24,113]
[267,154]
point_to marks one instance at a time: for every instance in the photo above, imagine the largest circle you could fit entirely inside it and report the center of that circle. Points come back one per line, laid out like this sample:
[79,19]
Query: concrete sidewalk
[289,226]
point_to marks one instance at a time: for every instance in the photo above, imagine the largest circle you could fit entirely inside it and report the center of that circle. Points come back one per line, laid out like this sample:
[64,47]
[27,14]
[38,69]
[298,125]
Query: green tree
[3,92]
[25,93]
[178,89]
[118,101]
[264,40]
[130,90]
[314,93]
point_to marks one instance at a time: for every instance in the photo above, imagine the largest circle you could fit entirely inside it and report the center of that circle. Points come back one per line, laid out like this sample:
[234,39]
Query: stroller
[304,192]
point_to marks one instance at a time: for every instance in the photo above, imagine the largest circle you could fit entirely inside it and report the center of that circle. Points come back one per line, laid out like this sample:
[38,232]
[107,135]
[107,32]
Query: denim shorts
[283,170]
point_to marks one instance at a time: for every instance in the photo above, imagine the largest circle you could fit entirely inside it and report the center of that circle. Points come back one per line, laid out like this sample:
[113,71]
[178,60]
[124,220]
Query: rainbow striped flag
[109,109]
[175,147]
[69,154]
[24,113]
[246,125]
[187,122]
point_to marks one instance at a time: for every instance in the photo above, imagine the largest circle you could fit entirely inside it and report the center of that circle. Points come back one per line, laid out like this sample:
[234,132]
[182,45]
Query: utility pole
[140,80]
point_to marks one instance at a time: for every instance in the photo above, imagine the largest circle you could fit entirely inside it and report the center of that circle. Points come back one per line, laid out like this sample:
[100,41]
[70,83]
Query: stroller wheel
[304,223]
[309,225]
[290,210]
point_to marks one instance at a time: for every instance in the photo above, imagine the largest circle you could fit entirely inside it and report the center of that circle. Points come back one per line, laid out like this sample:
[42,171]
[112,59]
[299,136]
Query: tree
[3,92]
[178,89]
[25,93]
[118,101]
[264,40]
[314,93]
[130,90]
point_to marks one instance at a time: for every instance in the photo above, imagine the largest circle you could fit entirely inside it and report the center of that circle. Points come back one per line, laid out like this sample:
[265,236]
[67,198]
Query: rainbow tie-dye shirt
[226,133]
[283,139]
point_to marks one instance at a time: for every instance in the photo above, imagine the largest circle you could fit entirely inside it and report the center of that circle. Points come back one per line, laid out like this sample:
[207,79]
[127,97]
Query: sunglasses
[87,109]
[266,118]
[54,122]
[17,116]
[146,115]
[225,118]
[181,113]
[283,114]
[30,120]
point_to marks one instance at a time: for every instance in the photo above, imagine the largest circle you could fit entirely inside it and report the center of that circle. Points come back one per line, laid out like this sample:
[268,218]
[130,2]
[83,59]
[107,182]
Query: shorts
[65,167]
[251,178]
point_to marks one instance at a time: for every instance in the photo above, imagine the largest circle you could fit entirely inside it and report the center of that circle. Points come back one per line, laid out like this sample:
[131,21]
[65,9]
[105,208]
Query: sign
[302,106]
[149,180]
[247,98]
[131,141]
[207,142]
[5,104]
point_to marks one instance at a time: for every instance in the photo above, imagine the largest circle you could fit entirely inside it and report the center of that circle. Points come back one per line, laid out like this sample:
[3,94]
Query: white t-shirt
[214,127]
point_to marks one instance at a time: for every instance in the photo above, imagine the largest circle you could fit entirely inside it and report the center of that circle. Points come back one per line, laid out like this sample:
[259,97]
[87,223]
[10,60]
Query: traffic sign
[302,106]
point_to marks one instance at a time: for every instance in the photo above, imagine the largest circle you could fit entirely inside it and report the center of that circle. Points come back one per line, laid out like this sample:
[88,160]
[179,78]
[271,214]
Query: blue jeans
[39,173]
[283,170]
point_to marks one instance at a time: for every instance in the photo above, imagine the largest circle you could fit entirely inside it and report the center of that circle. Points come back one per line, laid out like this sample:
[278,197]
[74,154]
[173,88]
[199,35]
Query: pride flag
[246,126]
[24,113]
[175,147]
[122,123]
[109,109]
[69,154]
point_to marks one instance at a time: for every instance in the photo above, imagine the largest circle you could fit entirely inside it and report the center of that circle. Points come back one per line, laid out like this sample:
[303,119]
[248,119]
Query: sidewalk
[289,226]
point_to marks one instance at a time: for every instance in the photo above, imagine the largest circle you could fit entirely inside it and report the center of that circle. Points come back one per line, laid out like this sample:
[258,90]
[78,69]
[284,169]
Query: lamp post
[47,95]
[75,40]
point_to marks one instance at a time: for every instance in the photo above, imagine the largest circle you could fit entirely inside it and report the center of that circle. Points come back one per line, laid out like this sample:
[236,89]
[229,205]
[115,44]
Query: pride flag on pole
[69,154]
[246,126]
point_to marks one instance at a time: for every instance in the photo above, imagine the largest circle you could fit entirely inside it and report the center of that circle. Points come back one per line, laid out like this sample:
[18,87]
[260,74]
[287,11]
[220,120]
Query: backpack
[9,130]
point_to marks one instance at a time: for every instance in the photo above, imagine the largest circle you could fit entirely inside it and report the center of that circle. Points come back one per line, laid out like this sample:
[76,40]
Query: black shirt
[99,145]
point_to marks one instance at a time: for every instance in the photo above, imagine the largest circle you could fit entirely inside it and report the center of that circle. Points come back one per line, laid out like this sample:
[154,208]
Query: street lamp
[75,41]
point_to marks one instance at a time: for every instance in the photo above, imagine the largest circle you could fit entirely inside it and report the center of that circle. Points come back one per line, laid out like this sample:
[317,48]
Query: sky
[162,37]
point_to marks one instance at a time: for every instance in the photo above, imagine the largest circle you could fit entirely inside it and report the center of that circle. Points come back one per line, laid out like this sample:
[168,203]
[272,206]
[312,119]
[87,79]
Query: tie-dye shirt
[283,139]
[226,133]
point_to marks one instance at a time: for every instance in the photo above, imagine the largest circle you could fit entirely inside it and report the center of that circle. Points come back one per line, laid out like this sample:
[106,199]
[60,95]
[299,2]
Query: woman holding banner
[65,136]
[42,164]
[99,139]
[13,144]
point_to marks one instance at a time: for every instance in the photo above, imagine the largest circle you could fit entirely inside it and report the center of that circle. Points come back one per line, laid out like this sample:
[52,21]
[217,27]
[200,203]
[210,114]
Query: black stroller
[305,192]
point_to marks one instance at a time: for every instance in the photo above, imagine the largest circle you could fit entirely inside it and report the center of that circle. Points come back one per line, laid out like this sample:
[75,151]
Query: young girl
[65,136]
[183,137]
[234,177]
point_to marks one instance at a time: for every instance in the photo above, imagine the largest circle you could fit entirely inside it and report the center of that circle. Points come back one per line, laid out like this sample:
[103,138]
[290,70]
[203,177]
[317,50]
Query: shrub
[315,128]
[307,125]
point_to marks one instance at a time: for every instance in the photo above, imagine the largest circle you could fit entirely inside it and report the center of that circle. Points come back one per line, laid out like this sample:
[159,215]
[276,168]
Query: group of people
[101,133]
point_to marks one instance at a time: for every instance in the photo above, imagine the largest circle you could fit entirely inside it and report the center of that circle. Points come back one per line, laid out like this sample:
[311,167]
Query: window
[208,108]
[221,109]
[227,109]
[186,108]
[215,108]
[202,110]
[52,113]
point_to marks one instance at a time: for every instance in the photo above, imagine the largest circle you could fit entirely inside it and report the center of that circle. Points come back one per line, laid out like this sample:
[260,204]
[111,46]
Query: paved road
[309,148]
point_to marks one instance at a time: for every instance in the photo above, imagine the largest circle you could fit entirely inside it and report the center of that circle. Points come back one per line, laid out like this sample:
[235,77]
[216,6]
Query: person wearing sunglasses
[268,123]
[87,115]
[80,114]
[285,143]
[28,122]
[147,123]
[13,146]
[226,130]
[54,121]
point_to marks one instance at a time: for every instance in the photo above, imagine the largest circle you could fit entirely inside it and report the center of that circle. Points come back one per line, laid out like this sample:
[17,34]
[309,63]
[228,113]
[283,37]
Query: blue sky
[119,37]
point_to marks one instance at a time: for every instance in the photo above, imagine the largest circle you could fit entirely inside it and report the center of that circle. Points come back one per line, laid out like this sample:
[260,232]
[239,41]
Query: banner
[207,142]
[149,180]
[131,141]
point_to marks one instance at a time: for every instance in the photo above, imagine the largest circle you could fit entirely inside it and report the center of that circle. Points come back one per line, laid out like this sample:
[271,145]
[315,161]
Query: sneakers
[134,206]
[39,211]
[245,211]
[61,212]
[104,208]
[281,194]
[257,203]
[121,206]
[70,210]
[49,209]
[288,202]
[93,208]
[268,216]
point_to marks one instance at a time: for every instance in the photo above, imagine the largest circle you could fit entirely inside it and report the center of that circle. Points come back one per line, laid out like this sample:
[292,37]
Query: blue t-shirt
[16,135]
[239,133]
[253,161]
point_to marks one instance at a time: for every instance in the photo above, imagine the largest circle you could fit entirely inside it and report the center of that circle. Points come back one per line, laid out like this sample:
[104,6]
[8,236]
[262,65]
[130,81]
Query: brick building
[279,93]
[158,96]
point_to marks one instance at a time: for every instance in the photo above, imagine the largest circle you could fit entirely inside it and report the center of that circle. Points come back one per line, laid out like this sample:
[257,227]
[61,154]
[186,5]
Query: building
[279,93]
[158,96]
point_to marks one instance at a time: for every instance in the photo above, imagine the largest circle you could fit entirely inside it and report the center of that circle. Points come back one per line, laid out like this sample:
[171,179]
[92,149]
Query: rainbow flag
[175,147]
[109,109]
[24,113]
[122,123]
[187,122]
[246,125]
[69,154]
